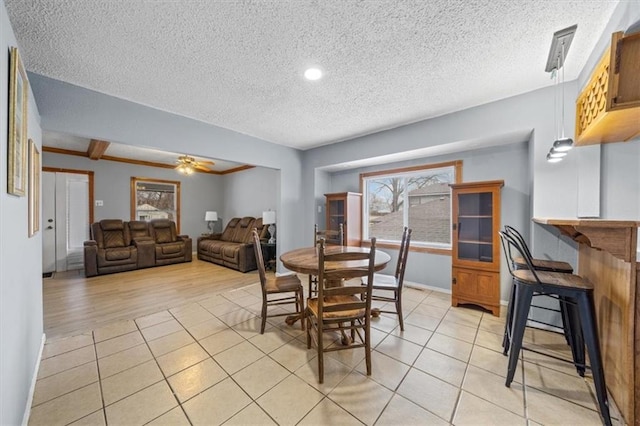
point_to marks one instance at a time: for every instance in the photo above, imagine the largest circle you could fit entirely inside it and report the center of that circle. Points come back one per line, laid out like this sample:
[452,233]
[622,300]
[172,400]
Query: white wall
[20,265]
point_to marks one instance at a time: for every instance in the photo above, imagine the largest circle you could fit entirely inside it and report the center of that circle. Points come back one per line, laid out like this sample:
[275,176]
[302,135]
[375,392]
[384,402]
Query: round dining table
[305,260]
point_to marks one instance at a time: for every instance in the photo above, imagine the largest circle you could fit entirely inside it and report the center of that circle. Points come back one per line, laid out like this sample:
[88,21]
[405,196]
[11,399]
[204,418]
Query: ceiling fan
[187,165]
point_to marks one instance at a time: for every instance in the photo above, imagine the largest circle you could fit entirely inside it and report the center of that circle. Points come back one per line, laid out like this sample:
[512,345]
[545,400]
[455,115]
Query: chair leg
[565,321]
[399,309]
[508,323]
[590,332]
[300,295]
[521,312]
[367,345]
[309,319]
[320,352]
[574,333]
[264,316]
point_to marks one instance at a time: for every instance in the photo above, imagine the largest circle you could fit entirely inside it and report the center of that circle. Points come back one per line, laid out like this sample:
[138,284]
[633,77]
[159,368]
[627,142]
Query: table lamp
[210,217]
[269,218]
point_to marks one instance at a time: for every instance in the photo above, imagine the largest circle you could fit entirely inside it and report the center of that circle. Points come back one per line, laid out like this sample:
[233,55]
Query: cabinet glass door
[475,227]
[336,214]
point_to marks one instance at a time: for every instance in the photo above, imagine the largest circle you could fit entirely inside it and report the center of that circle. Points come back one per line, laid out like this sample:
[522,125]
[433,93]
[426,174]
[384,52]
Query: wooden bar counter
[607,257]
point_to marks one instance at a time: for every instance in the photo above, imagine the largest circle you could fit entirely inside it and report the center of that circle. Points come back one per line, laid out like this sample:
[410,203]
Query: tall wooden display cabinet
[345,208]
[476,245]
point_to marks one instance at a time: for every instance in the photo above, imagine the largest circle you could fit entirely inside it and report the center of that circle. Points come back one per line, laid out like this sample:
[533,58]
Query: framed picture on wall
[17,154]
[34,189]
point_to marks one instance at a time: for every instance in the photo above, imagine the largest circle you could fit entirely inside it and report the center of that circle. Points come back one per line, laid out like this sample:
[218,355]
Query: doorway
[67,211]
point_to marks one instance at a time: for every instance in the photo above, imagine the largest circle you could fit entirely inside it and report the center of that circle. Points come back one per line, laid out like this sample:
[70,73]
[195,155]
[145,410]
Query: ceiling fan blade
[207,162]
[201,167]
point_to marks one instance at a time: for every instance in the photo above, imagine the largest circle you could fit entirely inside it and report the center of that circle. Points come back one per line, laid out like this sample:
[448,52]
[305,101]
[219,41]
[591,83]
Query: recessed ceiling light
[313,74]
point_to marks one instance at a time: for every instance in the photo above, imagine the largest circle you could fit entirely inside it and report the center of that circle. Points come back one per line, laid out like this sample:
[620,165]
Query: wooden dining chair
[393,283]
[331,237]
[342,308]
[274,288]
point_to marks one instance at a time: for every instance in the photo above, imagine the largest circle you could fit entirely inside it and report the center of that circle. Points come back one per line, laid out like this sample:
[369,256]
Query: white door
[49,222]
[66,212]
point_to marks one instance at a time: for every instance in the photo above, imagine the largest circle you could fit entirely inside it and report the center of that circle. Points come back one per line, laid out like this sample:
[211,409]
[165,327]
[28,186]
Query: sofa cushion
[121,253]
[176,248]
[163,235]
[230,252]
[113,239]
[243,230]
[138,229]
[111,225]
[230,230]
[163,231]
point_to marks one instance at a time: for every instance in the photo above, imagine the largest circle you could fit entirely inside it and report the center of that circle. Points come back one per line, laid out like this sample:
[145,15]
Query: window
[417,197]
[155,199]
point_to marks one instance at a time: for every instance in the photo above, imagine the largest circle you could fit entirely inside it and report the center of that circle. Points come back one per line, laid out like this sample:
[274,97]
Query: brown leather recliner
[169,247]
[234,247]
[110,250]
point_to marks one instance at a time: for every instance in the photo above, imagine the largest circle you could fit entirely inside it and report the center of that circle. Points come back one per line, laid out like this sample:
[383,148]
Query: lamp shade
[268,217]
[211,216]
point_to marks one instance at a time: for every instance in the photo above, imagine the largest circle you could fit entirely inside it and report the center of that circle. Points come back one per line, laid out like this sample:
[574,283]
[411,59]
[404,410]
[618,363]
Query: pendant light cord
[562,115]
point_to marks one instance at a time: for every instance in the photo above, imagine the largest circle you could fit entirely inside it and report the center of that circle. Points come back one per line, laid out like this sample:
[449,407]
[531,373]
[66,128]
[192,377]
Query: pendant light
[563,144]
[555,63]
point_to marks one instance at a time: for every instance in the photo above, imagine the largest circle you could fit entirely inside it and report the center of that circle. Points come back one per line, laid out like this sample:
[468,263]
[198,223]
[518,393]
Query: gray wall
[71,109]
[74,110]
[506,162]
[112,182]
[250,192]
[20,265]
[245,193]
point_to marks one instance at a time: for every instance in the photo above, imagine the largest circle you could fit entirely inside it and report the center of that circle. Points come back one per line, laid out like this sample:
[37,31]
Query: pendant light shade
[563,145]
[551,159]
[557,154]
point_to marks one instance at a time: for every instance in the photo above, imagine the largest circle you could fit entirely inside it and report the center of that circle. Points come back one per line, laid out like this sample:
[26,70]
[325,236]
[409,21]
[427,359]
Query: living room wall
[66,108]
[21,325]
[250,192]
[112,180]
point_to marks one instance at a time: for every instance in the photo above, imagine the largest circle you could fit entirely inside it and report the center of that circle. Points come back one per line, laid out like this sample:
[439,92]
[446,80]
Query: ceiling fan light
[551,159]
[563,144]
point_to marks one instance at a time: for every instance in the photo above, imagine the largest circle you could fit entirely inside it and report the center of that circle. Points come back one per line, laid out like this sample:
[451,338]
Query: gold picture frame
[18,98]
[34,189]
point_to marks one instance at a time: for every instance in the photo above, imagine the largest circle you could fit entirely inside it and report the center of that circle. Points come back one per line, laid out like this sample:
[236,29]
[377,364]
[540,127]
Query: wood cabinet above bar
[607,257]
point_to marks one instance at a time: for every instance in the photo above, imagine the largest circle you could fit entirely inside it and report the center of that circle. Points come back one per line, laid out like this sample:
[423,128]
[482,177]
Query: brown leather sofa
[233,247]
[119,246]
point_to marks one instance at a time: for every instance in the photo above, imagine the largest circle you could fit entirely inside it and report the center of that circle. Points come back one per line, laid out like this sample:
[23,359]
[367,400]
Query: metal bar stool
[578,294]
[518,262]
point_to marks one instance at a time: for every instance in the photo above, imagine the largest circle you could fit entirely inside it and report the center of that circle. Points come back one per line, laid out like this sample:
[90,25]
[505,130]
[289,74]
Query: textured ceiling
[239,64]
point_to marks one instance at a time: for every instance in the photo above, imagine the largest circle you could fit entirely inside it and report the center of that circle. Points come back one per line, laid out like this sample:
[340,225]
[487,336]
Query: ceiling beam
[97,148]
[140,162]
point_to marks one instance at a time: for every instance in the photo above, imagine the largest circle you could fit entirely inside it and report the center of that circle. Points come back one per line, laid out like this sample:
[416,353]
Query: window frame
[136,179]
[415,246]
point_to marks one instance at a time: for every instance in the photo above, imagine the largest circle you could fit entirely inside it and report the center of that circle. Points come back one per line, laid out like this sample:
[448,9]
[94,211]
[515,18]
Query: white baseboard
[420,286]
[32,388]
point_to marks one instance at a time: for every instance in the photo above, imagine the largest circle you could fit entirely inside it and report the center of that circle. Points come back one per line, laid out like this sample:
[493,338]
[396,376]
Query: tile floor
[206,363]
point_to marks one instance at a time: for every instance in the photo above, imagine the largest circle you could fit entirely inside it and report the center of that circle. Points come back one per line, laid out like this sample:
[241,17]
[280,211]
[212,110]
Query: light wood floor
[74,304]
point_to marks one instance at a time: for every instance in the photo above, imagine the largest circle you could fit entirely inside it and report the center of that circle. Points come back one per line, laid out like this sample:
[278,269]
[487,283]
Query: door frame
[90,173]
